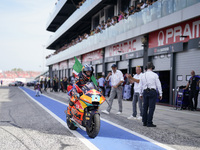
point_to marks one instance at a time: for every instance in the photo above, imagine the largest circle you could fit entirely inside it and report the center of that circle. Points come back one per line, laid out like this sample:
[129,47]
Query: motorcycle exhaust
[77,124]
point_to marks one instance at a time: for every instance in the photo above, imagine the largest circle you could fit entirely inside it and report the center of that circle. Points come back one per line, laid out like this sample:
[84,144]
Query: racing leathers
[75,92]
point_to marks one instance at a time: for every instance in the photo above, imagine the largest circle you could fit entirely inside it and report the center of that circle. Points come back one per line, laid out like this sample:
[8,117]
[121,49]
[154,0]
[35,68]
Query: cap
[113,65]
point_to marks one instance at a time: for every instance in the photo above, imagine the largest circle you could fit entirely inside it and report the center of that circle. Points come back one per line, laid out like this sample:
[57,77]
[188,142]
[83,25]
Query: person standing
[1,82]
[49,83]
[45,84]
[116,80]
[136,95]
[193,85]
[65,83]
[101,82]
[148,84]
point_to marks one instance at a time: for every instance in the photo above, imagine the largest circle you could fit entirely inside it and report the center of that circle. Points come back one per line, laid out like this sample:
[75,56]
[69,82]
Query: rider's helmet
[85,68]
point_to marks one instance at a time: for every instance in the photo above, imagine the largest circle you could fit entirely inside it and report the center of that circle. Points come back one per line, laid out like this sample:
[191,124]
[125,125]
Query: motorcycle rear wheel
[93,130]
[70,124]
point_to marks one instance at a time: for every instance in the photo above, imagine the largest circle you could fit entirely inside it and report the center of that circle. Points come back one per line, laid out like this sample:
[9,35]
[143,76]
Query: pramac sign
[124,47]
[172,34]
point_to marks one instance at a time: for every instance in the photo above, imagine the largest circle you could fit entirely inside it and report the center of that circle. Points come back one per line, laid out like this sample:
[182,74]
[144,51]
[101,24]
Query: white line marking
[75,133]
[121,127]
[139,135]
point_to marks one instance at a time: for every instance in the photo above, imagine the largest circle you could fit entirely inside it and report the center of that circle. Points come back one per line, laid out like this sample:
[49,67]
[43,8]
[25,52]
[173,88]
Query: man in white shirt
[136,95]
[149,82]
[116,80]
[101,83]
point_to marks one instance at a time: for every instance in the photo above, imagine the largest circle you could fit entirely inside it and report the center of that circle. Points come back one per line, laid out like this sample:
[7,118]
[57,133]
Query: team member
[101,83]
[136,95]
[193,85]
[116,80]
[149,82]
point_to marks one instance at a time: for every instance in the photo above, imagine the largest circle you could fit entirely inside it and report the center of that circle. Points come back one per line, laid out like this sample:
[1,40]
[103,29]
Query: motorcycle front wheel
[70,124]
[93,130]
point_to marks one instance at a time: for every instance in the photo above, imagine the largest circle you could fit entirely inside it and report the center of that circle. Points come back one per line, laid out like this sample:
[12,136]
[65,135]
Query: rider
[83,77]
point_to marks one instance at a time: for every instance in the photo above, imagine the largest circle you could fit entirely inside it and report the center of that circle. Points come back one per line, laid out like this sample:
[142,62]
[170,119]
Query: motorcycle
[84,113]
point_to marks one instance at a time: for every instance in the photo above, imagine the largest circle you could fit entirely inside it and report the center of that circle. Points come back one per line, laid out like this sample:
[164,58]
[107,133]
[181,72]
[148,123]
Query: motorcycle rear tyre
[70,124]
[95,126]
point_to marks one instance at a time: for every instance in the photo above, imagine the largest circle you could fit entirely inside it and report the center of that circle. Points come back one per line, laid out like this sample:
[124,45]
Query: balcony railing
[153,12]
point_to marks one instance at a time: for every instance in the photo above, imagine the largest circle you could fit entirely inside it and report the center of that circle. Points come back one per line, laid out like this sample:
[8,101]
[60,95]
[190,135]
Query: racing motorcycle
[84,113]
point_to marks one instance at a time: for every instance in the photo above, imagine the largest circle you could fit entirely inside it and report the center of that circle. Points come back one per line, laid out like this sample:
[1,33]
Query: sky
[23,34]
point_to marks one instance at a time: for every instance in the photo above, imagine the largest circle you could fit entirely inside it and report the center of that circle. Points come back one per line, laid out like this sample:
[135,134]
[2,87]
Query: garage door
[122,65]
[99,68]
[137,62]
[185,63]
[161,62]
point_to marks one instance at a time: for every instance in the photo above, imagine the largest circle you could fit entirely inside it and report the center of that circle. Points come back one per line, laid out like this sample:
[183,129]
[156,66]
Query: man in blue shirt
[193,85]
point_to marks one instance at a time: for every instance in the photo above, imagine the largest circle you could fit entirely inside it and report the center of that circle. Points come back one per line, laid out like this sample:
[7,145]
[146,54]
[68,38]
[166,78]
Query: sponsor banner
[71,61]
[55,67]
[63,65]
[111,59]
[91,56]
[133,55]
[128,46]
[189,29]
[172,48]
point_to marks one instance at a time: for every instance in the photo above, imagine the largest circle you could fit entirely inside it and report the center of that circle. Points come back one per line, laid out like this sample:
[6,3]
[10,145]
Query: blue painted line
[110,137]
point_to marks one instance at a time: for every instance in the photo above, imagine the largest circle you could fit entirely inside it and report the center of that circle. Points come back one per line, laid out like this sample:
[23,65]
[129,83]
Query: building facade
[166,32]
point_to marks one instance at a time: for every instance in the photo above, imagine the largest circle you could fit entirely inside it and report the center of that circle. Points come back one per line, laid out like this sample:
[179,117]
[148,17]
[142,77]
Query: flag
[78,67]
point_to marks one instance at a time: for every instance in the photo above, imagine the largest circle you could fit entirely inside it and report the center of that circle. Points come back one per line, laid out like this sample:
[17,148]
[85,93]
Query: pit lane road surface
[111,136]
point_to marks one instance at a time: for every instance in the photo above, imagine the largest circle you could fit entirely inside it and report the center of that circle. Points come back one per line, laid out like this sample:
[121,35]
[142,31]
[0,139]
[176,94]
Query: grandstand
[10,76]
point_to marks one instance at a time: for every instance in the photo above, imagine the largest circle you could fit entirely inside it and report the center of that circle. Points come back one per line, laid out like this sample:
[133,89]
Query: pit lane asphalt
[179,129]
[25,125]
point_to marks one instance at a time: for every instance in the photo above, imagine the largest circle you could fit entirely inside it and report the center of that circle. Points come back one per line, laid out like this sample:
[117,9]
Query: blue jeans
[149,105]
[136,99]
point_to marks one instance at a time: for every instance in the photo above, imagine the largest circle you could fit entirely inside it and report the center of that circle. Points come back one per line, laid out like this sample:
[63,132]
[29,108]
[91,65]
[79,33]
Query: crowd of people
[104,25]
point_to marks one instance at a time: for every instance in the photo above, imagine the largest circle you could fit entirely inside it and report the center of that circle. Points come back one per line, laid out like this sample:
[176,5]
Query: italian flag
[77,67]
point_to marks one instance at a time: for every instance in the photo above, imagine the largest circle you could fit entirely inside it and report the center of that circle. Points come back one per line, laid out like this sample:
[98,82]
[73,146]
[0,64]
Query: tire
[70,124]
[93,130]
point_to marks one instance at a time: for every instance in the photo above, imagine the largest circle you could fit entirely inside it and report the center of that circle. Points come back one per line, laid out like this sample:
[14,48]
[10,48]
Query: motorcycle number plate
[95,98]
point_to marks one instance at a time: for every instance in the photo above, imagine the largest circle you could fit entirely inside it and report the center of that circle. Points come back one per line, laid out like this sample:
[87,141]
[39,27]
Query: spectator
[41,84]
[131,10]
[99,28]
[1,82]
[143,5]
[61,86]
[101,82]
[55,84]
[48,82]
[65,83]
[116,80]
[121,16]
[71,79]
[138,8]
[136,95]
[148,84]
[193,85]
[45,84]
[37,89]
[108,86]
